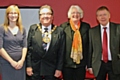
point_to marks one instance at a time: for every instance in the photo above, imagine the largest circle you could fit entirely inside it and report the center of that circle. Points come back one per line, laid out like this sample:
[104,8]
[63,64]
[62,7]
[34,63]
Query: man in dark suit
[45,47]
[104,53]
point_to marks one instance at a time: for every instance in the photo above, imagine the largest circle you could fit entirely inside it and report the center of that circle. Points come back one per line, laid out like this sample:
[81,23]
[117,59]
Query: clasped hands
[17,65]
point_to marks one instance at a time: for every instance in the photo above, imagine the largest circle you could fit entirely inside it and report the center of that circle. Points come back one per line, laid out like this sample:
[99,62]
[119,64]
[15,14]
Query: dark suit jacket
[41,61]
[95,52]
[84,28]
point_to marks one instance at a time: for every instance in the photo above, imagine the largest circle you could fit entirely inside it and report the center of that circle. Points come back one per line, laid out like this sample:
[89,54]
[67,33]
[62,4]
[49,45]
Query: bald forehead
[45,10]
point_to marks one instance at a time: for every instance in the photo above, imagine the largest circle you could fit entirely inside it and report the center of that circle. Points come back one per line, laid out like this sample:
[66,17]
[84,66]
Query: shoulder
[1,29]
[24,30]
[33,27]
[114,24]
[94,28]
[117,25]
[85,25]
[58,28]
[64,25]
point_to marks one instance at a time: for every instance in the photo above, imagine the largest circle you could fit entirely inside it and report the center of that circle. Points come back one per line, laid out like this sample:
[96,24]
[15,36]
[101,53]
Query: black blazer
[95,49]
[39,59]
[84,28]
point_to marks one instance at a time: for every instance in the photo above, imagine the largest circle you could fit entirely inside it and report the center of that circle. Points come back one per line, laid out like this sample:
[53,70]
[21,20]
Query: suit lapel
[38,37]
[54,38]
[97,36]
[112,34]
[68,31]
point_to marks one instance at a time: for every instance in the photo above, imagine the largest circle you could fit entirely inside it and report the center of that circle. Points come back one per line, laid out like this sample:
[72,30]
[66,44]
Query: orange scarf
[76,52]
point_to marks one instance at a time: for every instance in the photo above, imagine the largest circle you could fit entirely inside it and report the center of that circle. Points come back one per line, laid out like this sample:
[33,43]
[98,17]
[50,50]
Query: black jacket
[84,28]
[38,58]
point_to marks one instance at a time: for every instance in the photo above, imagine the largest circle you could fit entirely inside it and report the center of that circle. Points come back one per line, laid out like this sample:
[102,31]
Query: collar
[108,24]
[49,27]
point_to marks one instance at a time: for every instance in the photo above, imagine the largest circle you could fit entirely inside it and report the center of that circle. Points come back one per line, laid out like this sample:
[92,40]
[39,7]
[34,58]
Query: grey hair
[78,8]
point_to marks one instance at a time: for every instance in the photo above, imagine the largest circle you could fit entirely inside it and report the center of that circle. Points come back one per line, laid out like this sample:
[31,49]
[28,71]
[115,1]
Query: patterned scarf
[76,52]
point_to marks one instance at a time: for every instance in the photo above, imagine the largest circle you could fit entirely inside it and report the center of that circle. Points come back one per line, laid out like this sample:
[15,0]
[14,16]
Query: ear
[97,17]
[52,17]
[109,15]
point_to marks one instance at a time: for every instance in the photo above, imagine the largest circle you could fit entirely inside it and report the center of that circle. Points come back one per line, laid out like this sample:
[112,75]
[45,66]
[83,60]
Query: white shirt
[108,38]
[49,35]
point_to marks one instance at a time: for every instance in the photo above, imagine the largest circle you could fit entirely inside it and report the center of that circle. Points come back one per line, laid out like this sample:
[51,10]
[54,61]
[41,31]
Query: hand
[29,71]
[90,70]
[57,73]
[13,64]
[19,64]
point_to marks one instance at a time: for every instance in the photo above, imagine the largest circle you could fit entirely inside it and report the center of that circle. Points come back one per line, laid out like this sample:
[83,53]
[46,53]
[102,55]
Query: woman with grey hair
[77,43]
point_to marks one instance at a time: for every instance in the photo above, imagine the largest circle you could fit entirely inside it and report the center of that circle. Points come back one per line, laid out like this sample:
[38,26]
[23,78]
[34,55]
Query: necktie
[105,46]
[43,43]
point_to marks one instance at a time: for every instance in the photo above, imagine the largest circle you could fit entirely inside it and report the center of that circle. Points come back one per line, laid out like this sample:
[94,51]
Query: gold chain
[46,39]
[47,32]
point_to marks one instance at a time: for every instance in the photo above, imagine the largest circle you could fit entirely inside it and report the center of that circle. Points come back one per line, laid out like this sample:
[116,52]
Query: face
[75,15]
[46,17]
[13,16]
[103,17]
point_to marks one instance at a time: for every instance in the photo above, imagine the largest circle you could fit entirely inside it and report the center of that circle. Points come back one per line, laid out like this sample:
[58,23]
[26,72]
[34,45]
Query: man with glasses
[45,47]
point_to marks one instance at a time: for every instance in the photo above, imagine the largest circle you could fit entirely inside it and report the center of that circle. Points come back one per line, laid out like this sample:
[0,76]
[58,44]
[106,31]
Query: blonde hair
[18,22]
[78,8]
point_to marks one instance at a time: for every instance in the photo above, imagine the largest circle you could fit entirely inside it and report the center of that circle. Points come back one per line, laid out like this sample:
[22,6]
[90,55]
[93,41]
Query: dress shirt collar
[108,24]
[49,27]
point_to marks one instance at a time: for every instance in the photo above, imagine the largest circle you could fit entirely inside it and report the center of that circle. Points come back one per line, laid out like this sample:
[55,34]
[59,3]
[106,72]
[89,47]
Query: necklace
[46,39]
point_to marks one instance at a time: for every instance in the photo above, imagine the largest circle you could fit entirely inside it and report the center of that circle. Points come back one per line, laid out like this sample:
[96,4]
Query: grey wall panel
[29,16]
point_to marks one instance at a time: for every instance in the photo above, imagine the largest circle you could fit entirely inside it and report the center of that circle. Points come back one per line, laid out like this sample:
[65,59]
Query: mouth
[46,18]
[103,20]
[13,18]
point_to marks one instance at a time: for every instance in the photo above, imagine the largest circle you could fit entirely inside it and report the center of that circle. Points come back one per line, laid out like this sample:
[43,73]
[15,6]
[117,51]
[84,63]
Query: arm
[89,65]
[29,52]
[24,51]
[60,55]
[3,53]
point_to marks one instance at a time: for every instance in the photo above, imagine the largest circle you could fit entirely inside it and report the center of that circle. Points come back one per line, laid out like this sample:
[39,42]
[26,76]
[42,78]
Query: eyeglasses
[42,14]
[13,13]
[75,13]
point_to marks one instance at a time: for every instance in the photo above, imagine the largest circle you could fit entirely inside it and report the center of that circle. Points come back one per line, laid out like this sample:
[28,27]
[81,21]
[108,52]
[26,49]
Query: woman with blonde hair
[13,45]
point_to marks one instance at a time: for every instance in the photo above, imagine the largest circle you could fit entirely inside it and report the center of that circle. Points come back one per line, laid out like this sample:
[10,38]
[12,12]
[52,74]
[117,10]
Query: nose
[13,14]
[102,16]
